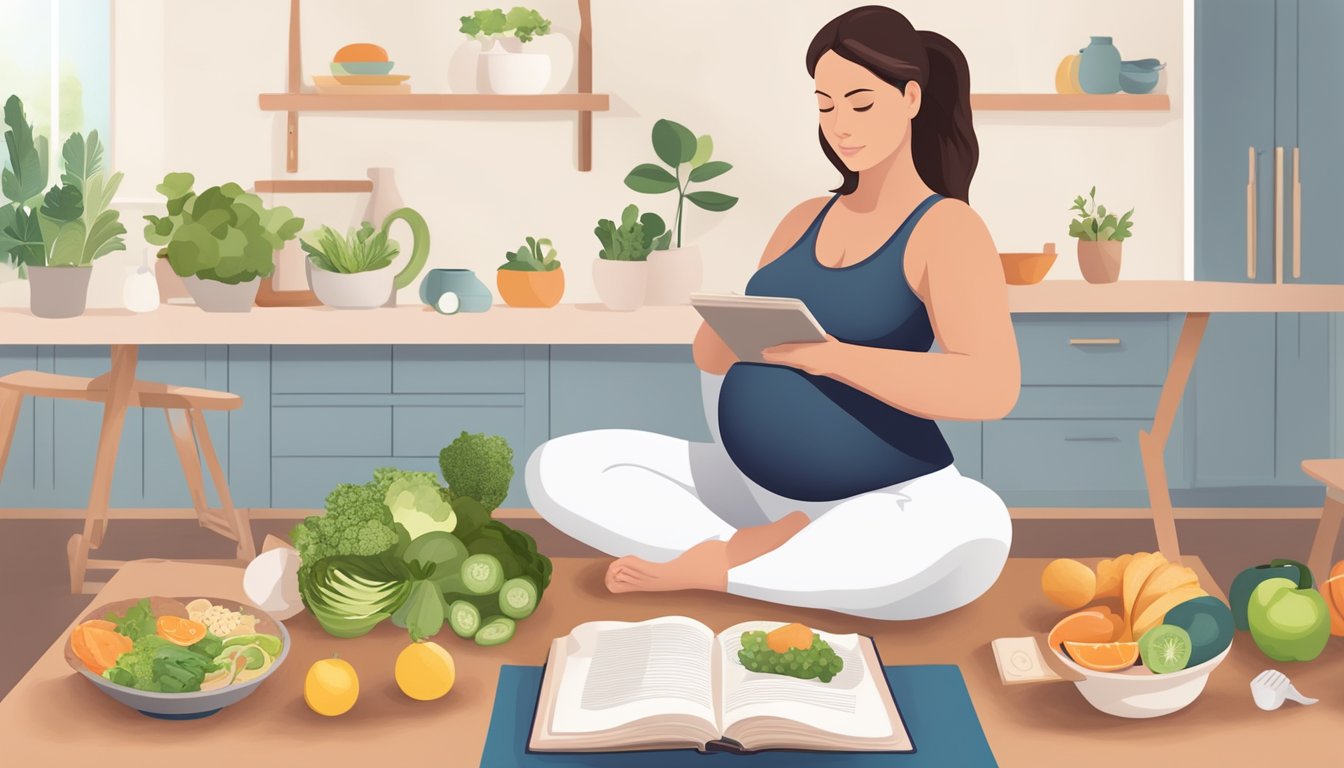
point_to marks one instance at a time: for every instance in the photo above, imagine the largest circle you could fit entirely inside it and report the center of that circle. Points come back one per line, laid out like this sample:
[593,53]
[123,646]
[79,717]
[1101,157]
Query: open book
[671,683]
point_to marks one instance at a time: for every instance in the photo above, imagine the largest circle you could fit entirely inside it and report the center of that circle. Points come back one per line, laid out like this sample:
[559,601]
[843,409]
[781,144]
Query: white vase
[621,285]
[140,291]
[360,290]
[674,274]
[508,72]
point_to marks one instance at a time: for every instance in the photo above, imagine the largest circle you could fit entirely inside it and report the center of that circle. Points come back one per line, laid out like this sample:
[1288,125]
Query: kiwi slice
[1165,648]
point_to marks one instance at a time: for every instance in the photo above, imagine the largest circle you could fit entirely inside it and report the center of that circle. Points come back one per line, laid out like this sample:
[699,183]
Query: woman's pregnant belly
[813,438]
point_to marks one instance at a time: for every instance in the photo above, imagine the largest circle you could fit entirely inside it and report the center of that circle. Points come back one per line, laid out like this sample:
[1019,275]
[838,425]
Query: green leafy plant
[222,234]
[73,223]
[530,257]
[635,238]
[359,250]
[676,146]
[524,23]
[1094,222]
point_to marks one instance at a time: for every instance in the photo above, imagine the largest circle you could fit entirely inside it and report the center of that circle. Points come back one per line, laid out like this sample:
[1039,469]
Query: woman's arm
[709,352]
[977,375]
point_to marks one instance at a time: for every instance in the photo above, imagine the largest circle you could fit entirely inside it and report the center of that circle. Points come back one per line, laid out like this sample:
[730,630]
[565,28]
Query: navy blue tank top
[813,438]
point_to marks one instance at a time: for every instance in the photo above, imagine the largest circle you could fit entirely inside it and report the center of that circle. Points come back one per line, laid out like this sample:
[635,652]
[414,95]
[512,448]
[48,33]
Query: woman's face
[864,118]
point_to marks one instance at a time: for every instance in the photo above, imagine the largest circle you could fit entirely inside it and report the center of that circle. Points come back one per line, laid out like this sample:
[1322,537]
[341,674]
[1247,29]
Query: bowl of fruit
[1144,635]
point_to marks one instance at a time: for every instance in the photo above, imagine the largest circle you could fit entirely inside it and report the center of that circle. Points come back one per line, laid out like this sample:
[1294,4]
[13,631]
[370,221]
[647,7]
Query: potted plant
[55,238]
[621,272]
[354,271]
[507,69]
[1100,235]
[675,272]
[531,277]
[220,242]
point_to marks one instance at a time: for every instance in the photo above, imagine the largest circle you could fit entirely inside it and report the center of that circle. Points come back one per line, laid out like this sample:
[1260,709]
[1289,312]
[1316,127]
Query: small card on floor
[1019,660]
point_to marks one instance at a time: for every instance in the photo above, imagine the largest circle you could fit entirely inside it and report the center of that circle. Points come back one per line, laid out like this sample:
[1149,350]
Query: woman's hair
[884,42]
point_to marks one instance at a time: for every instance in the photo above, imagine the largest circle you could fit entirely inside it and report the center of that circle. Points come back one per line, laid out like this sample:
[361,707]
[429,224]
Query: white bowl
[1138,693]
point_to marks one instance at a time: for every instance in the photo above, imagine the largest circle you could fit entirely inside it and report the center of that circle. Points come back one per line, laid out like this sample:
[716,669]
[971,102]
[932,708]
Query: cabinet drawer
[472,369]
[331,369]
[331,431]
[426,430]
[1099,349]
[1044,402]
[1057,455]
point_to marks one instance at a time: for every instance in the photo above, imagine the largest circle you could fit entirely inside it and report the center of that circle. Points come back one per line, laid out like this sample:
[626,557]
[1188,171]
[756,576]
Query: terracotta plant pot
[170,284]
[1028,268]
[530,289]
[1099,260]
[621,285]
[59,291]
[674,274]
[214,296]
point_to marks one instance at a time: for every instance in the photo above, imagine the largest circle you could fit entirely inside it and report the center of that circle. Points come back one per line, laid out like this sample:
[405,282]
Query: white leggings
[911,550]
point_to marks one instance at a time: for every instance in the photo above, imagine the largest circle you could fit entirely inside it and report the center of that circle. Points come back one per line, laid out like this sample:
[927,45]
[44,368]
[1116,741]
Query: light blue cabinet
[1265,73]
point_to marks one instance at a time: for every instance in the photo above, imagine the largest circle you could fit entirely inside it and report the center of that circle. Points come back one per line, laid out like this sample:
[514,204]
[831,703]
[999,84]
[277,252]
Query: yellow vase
[1066,75]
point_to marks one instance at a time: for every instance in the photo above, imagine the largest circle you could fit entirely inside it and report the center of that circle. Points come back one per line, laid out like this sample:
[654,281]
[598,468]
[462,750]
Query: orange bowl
[1028,268]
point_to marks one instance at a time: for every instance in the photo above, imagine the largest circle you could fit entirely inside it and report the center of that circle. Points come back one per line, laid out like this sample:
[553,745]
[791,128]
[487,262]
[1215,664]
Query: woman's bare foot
[704,566]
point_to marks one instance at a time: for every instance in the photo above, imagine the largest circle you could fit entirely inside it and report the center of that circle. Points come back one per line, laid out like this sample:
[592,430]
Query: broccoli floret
[135,668]
[417,504]
[357,522]
[478,466]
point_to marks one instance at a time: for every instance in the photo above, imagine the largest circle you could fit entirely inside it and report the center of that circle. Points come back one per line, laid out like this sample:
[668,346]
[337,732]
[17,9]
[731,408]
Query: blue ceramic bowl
[180,706]
[1140,76]
[455,290]
[362,67]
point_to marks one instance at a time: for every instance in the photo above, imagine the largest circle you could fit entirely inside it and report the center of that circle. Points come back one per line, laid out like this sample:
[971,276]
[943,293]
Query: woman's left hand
[814,357]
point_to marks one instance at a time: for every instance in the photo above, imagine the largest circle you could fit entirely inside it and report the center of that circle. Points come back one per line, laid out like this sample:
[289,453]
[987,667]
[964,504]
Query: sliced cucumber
[464,618]
[518,598]
[482,574]
[497,630]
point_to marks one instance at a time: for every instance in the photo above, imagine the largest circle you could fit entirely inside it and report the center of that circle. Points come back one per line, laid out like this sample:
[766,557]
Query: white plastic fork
[1271,688]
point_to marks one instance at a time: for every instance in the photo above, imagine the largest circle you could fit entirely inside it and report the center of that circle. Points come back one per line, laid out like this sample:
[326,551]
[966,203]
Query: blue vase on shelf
[455,290]
[1099,70]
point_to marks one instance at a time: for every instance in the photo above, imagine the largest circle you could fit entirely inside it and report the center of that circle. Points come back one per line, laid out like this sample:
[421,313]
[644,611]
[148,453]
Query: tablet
[750,324]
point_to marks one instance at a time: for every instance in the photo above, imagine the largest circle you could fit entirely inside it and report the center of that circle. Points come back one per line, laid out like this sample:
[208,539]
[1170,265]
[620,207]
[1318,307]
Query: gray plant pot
[214,296]
[59,291]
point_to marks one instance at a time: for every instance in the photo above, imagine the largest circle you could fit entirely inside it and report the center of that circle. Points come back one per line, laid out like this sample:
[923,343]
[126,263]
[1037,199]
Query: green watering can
[378,288]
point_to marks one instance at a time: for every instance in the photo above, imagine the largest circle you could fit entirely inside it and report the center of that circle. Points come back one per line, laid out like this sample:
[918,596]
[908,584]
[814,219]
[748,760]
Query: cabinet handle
[1250,214]
[1097,439]
[1094,342]
[1278,214]
[1297,213]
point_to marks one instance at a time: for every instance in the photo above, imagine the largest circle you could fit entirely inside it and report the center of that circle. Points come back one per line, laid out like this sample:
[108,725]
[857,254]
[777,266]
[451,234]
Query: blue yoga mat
[933,701]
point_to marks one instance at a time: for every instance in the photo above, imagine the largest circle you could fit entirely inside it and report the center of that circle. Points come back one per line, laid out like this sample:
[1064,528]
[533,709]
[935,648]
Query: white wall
[188,75]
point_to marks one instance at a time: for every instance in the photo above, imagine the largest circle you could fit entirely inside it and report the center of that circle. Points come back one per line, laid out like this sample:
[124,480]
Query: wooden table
[52,712]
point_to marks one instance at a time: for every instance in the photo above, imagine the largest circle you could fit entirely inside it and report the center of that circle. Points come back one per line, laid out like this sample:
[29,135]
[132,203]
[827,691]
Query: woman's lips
[849,150]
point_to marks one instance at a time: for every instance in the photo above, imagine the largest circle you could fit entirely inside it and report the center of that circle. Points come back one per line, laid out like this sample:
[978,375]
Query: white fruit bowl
[1138,693]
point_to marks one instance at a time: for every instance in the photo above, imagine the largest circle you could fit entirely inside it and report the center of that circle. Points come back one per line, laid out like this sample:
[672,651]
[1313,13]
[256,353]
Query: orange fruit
[180,631]
[1091,626]
[1333,591]
[1068,583]
[1103,657]
[781,639]
[361,52]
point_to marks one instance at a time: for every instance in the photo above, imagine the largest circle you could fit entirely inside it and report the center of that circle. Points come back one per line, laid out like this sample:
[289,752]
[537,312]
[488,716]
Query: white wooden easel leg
[237,518]
[10,404]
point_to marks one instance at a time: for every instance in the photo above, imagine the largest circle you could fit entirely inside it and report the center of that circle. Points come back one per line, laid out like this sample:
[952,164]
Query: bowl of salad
[175,659]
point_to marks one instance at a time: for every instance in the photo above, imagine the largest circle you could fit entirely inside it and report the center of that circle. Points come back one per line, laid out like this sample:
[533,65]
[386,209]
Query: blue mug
[455,290]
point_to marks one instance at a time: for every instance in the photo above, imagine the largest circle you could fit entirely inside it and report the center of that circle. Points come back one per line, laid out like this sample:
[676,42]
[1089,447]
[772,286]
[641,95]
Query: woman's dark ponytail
[943,138]
[883,41]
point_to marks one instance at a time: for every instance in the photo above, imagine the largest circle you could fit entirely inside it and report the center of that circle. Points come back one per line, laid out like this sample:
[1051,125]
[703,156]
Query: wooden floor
[35,594]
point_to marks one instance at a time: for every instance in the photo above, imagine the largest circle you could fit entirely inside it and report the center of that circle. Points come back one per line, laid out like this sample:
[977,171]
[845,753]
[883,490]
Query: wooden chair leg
[10,404]
[242,524]
[179,424]
[1327,534]
[77,554]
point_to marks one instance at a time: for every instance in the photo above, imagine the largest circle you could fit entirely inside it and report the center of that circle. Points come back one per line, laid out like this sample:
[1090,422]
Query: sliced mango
[1153,615]
[1165,579]
[1136,575]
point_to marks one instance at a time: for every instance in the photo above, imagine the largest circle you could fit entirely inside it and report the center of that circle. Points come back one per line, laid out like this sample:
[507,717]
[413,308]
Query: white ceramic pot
[1138,693]
[674,275]
[621,284]
[214,296]
[361,290]
[516,73]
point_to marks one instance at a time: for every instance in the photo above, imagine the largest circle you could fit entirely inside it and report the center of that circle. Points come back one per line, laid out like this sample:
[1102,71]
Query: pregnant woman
[828,483]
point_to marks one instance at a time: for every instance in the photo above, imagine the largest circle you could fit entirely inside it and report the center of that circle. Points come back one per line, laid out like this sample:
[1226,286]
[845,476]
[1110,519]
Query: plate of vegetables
[175,659]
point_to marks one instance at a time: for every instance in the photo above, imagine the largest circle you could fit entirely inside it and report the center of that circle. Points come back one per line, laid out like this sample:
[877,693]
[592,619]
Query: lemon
[331,687]
[425,671]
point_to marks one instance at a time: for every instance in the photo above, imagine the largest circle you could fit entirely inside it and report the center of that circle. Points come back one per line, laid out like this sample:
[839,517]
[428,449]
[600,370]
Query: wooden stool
[1331,473]
[184,408]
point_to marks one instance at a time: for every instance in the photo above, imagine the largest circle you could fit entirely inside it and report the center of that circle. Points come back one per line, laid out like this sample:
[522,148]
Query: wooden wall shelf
[408,102]
[1070,102]
[294,100]
[318,186]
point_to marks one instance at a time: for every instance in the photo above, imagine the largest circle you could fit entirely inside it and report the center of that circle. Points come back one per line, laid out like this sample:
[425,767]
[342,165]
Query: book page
[619,672]
[851,704]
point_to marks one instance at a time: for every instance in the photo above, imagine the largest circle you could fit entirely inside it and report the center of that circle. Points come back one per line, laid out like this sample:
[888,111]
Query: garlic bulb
[271,582]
